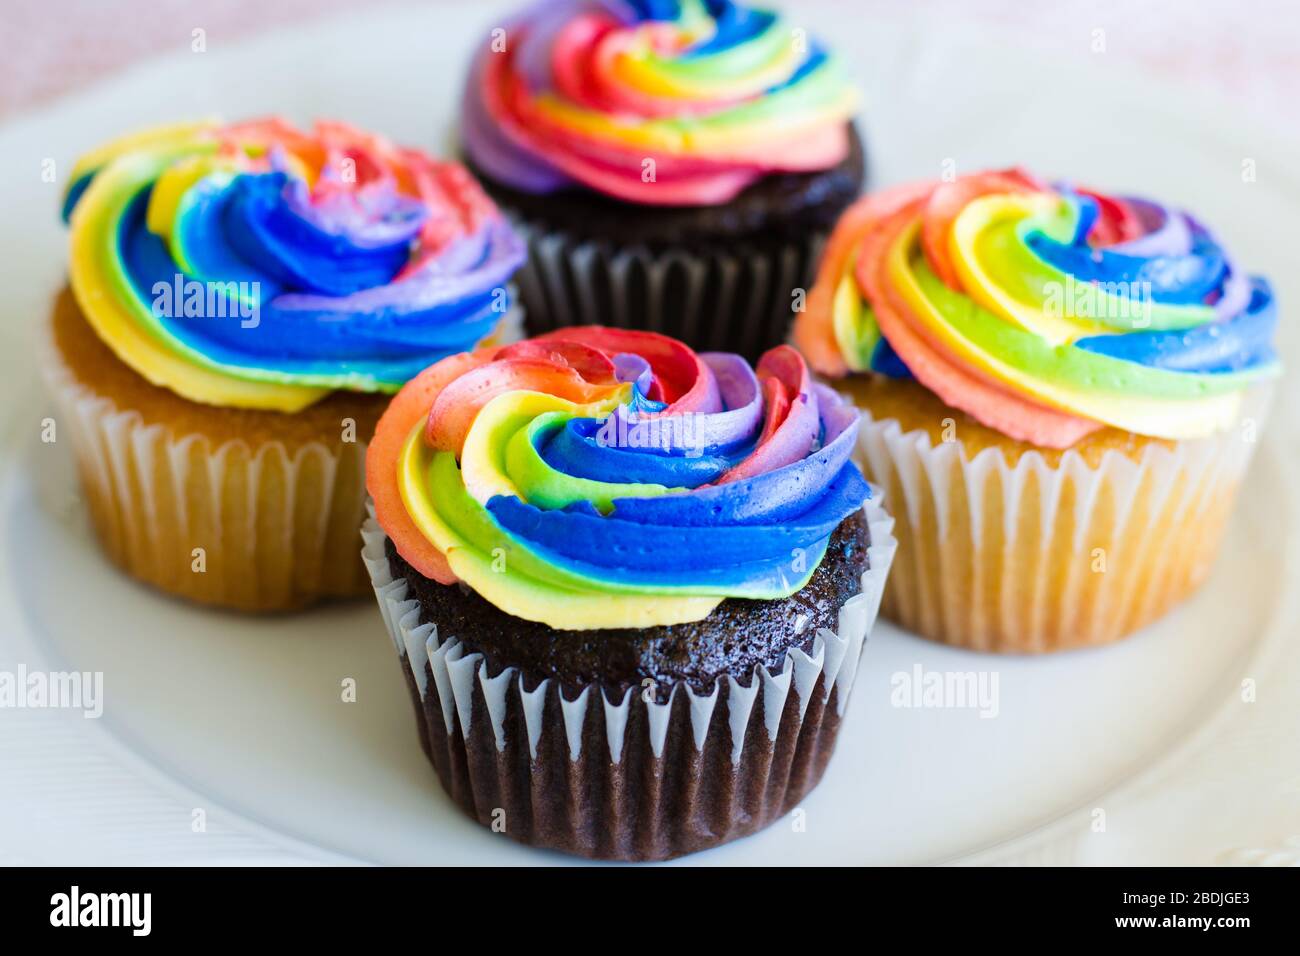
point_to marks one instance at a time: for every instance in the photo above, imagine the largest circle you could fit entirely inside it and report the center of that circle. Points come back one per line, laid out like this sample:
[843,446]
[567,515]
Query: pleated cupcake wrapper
[615,775]
[1036,557]
[277,528]
[717,299]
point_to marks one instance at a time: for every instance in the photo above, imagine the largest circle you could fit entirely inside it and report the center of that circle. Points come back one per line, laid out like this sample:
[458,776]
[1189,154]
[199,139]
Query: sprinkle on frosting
[604,478]
[668,102]
[1045,312]
[259,266]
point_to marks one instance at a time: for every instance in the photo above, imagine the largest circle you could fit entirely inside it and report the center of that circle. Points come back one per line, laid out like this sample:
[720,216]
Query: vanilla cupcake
[1061,391]
[242,299]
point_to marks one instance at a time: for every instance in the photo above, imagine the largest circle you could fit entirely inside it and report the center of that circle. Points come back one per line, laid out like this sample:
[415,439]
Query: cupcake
[628,584]
[241,301]
[675,166]
[1060,393]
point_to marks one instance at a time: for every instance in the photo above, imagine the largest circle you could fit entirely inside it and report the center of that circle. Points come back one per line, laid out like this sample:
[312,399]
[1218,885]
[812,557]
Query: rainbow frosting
[605,478]
[258,266]
[1045,312]
[667,102]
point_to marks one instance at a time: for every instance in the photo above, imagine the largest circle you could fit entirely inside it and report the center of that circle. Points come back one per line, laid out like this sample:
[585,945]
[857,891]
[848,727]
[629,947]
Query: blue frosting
[329,303]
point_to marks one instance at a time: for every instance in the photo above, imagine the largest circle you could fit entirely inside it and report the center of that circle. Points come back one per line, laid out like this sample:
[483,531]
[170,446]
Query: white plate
[243,719]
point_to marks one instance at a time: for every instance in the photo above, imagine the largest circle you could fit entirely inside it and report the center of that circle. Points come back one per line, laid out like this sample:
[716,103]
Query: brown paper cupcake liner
[737,299]
[1033,557]
[623,776]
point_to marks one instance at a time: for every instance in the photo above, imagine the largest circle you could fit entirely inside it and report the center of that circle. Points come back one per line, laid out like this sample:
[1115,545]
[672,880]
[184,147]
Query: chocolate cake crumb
[777,208]
[739,635]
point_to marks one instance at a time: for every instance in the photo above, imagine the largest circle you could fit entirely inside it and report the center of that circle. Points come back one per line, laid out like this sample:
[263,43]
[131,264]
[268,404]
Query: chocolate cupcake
[674,166]
[628,584]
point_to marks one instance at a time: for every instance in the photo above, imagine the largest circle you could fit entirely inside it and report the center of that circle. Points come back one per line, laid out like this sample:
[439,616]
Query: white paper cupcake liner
[1034,556]
[247,527]
[717,299]
[226,524]
[620,777]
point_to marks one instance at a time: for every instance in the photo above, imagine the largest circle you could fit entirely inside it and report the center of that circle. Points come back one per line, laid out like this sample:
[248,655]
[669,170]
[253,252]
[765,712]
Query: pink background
[1246,49]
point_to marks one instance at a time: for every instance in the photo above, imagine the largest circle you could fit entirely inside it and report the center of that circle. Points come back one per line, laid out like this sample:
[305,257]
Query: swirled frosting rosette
[667,102]
[258,266]
[602,478]
[1044,312]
